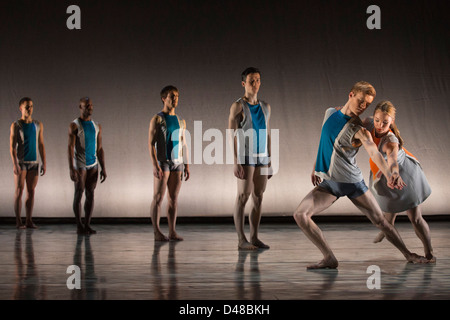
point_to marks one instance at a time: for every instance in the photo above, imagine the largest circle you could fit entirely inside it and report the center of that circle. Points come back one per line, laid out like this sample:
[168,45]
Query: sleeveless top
[169,137]
[85,155]
[336,157]
[252,132]
[417,188]
[27,141]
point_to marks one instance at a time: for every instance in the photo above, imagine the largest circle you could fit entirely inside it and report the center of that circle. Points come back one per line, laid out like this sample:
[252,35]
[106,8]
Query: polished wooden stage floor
[123,262]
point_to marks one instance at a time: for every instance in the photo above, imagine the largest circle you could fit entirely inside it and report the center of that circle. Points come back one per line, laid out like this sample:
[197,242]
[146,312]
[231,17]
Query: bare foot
[21,226]
[245,245]
[89,230]
[160,237]
[258,243]
[330,263]
[175,237]
[81,230]
[31,225]
[415,258]
[379,237]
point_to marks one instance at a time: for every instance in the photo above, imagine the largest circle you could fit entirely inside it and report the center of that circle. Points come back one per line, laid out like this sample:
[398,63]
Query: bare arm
[187,172]
[101,155]
[157,172]
[233,120]
[391,150]
[71,151]
[269,141]
[42,149]
[366,139]
[12,149]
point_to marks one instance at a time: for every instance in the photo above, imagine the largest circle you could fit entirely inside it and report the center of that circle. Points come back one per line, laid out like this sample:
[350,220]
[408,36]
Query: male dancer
[85,154]
[249,121]
[26,144]
[166,143]
[342,135]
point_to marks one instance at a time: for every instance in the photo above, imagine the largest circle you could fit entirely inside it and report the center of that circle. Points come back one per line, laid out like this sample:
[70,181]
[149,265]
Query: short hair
[364,87]
[166,90]
[248,71]
[23,100]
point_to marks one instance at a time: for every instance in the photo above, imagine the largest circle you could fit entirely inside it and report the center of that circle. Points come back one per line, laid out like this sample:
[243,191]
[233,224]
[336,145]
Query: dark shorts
[341,189]
[170,166]
[256,161]
[29,166]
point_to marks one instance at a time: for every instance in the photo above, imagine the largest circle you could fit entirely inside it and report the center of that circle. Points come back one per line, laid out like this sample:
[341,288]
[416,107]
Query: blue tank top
[27,141]
[336,157]
[172,143]
[259,125]
[29,132]
[90,142]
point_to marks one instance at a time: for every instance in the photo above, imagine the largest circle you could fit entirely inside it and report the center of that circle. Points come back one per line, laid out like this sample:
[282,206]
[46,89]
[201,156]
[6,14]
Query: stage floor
[123,262]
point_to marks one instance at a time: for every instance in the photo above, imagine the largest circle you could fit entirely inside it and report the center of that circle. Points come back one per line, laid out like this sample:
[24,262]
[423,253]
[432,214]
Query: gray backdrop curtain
[310,54]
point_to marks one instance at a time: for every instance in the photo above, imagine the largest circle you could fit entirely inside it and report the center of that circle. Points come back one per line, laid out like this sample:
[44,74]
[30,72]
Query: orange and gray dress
[417,189]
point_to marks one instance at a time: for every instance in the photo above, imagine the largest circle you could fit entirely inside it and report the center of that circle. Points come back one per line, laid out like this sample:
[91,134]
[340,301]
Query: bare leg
[32,180]
[173,186]
[315,202]
[422,231]
[159,189]
[369,206]
[244,190]
[259,186]
[79,189]
[19,181]
[90,185]
[390,217]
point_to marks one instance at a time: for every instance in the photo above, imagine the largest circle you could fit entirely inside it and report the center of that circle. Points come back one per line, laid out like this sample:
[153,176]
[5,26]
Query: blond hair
[364,87]
[388,108]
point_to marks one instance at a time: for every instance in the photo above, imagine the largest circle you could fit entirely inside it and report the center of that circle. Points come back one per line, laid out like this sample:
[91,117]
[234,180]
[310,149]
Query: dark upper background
[310,53]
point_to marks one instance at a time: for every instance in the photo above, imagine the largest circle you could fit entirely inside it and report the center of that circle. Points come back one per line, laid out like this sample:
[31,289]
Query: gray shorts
[256,161]
[342,189]
[29,166]
[170,166]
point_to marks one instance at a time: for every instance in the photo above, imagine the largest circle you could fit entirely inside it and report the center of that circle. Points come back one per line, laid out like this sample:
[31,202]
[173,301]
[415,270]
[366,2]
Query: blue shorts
[342,189]
[256,161]
[170,166]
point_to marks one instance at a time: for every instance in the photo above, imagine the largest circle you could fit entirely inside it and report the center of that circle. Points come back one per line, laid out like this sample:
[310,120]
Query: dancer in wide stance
[342,135]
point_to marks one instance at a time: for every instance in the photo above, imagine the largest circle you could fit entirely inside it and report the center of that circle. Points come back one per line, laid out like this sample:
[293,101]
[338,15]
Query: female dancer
[414,188]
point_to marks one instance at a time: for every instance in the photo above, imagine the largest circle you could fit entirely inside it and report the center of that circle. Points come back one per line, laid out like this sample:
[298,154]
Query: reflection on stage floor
[123,262]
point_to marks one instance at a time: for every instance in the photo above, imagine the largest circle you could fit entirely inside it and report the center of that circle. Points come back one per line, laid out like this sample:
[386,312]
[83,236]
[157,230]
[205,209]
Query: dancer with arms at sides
[85,153]
[167,146]
[415,189]
[26,145]
[336,174]
[249,117]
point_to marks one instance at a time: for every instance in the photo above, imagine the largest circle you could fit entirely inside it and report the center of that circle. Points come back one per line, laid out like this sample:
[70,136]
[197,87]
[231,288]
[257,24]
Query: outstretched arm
[391,150]
[366,139]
